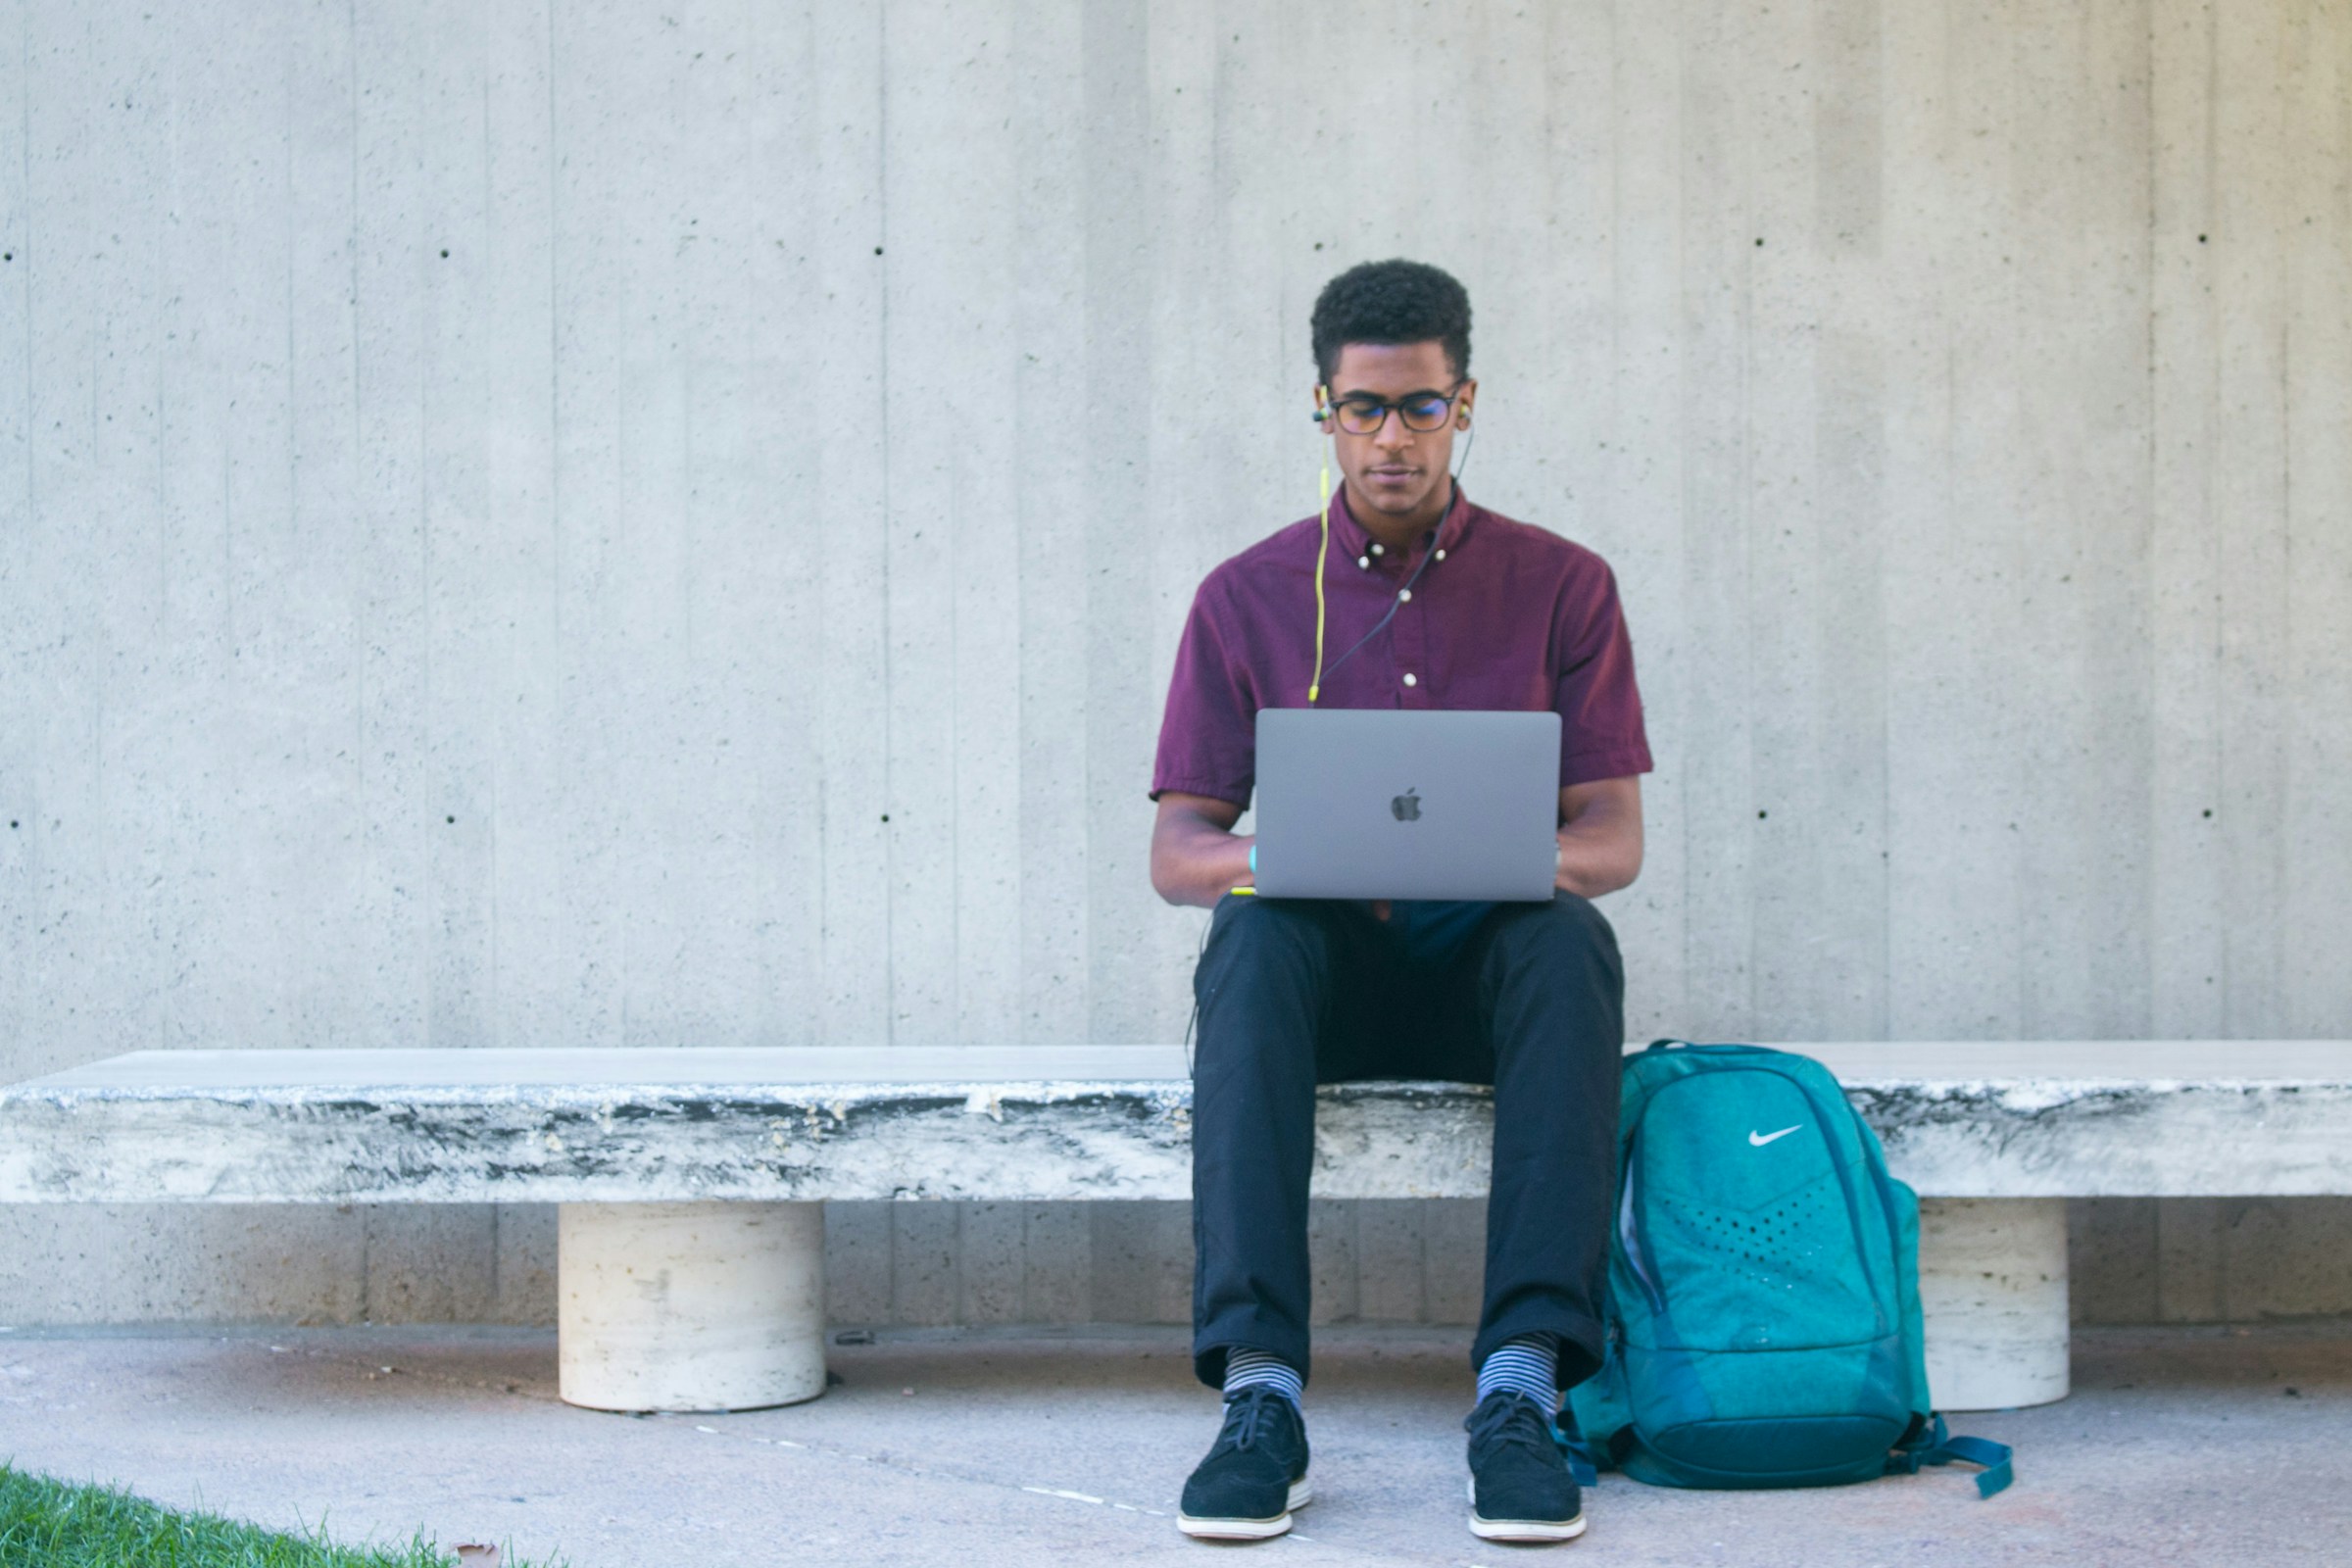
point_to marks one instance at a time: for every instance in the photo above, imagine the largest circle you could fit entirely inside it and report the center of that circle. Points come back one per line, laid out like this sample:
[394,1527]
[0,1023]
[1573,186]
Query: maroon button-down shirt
[1502,617]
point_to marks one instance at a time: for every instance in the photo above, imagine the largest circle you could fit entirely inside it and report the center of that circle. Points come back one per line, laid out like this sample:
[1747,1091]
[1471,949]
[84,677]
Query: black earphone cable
[1398,603]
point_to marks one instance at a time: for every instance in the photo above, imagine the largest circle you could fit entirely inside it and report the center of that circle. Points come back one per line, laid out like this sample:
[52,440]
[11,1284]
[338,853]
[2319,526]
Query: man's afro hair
[1388,302]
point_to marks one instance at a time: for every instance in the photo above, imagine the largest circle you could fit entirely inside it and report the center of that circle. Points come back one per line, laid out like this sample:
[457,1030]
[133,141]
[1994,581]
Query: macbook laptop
[1390,803]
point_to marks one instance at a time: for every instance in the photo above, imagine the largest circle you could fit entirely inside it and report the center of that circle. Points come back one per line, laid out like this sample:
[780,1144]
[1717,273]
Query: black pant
[1297,992]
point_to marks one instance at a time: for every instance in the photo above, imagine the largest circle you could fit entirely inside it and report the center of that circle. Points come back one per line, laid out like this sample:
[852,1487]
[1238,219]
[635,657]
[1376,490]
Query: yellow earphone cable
[1314,687]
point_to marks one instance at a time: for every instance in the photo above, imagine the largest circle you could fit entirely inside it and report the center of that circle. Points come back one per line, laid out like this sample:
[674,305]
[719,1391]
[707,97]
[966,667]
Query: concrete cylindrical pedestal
[690,1307]
[1993,1288]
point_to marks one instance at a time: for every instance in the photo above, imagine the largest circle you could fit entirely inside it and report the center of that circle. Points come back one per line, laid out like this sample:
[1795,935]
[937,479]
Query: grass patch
[49,1524]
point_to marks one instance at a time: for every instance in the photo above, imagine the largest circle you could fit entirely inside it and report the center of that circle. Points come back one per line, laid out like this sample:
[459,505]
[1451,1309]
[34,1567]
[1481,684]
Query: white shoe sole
[1301,1495]
[1486,1528]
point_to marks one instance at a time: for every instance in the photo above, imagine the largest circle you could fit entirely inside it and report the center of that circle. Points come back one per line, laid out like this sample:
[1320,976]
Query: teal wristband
[1253,859]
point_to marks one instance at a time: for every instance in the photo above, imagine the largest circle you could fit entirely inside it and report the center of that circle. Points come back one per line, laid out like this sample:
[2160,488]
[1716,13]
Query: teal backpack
[1763,1287]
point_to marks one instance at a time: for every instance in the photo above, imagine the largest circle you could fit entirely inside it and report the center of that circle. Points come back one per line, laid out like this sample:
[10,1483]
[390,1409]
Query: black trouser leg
[1277,979]
[1550,1007]
[1298,992]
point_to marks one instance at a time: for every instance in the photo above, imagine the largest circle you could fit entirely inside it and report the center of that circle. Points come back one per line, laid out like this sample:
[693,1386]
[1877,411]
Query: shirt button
[1404,596]
[1441,555]
[1410,681]
[1376,549]
[1363,561]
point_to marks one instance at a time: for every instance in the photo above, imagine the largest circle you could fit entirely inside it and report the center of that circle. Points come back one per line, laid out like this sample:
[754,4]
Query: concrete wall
[545,523]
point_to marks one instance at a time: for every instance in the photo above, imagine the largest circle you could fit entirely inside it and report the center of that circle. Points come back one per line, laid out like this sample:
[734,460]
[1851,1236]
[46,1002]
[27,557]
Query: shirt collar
[1350,534]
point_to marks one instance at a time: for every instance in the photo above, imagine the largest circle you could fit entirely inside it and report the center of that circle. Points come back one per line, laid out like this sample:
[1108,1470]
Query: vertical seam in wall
[32,446]
[424,641]
[294,403]
[1682,565]
[358,630]
[1746,450]
[2151,874]
[24,149]
[555,436]
[2205,433]
[2280,1017]
[293,377]
[955,800]
[486,1029]
[820,747]
[2022,1000]
[890,944]
[555,342]
[2277,1020]
[1885,1021]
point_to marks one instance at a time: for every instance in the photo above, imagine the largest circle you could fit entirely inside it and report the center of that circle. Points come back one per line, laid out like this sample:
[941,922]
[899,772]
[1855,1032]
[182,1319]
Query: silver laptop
[1389,804]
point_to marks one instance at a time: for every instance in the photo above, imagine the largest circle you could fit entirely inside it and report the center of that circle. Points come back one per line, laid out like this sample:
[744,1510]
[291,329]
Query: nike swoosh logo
[1759,1140]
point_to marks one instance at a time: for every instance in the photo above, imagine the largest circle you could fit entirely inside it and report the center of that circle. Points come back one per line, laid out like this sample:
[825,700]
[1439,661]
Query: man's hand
[1601,836]
[1196,856]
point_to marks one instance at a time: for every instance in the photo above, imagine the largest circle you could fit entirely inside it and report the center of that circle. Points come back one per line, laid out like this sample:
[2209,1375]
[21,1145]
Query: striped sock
[1528,1364]
[1248,1369]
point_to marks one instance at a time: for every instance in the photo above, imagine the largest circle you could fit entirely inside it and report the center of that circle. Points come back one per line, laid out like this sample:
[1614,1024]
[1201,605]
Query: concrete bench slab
[690,1254]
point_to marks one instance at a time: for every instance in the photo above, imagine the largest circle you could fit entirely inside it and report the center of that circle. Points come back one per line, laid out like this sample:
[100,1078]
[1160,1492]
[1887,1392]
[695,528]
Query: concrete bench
[691,1260]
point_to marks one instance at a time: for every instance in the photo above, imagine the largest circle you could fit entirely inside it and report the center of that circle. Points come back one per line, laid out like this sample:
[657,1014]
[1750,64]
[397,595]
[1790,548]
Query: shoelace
[1514,1418]
[1247,1414]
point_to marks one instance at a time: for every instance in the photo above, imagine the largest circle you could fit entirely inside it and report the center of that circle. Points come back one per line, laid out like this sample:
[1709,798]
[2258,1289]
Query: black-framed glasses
[1362,413]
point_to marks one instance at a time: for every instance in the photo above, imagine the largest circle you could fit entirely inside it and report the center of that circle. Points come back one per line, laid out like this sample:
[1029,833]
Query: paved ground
[2178,1447]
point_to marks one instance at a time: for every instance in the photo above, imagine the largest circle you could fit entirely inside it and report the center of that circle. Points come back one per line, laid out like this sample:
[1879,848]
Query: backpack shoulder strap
[1934,1444]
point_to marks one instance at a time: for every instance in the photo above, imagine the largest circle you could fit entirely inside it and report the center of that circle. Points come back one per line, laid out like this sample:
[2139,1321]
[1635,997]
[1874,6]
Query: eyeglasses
[1361,414]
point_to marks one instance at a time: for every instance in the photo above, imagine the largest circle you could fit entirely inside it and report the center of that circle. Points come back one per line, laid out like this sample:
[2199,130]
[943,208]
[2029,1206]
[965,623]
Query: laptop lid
[1396,804]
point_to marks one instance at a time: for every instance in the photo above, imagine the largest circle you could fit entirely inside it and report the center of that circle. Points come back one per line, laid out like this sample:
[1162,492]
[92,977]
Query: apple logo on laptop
[1406,807]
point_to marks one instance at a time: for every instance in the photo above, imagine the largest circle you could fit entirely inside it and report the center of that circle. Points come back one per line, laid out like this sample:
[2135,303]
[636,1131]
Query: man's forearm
[1592,865]
[1600,843]
[1195,860]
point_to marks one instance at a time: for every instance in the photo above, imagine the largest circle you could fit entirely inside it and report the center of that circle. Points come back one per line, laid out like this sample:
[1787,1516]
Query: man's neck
[1400,533]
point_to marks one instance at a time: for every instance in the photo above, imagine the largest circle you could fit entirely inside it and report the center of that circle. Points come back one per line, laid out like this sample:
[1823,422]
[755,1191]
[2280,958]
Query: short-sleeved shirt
[1501,616]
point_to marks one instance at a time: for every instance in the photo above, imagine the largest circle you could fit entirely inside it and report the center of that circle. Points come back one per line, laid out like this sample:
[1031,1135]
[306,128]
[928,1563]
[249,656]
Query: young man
[1489,614]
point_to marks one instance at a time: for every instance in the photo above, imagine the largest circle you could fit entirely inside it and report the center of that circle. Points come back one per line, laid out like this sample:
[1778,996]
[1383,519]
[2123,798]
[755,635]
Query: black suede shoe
[1254,1475]
[1520,1488]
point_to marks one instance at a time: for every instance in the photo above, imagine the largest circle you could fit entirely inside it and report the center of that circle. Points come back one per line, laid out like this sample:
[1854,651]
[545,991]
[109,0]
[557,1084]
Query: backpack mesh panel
[1766,1260]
